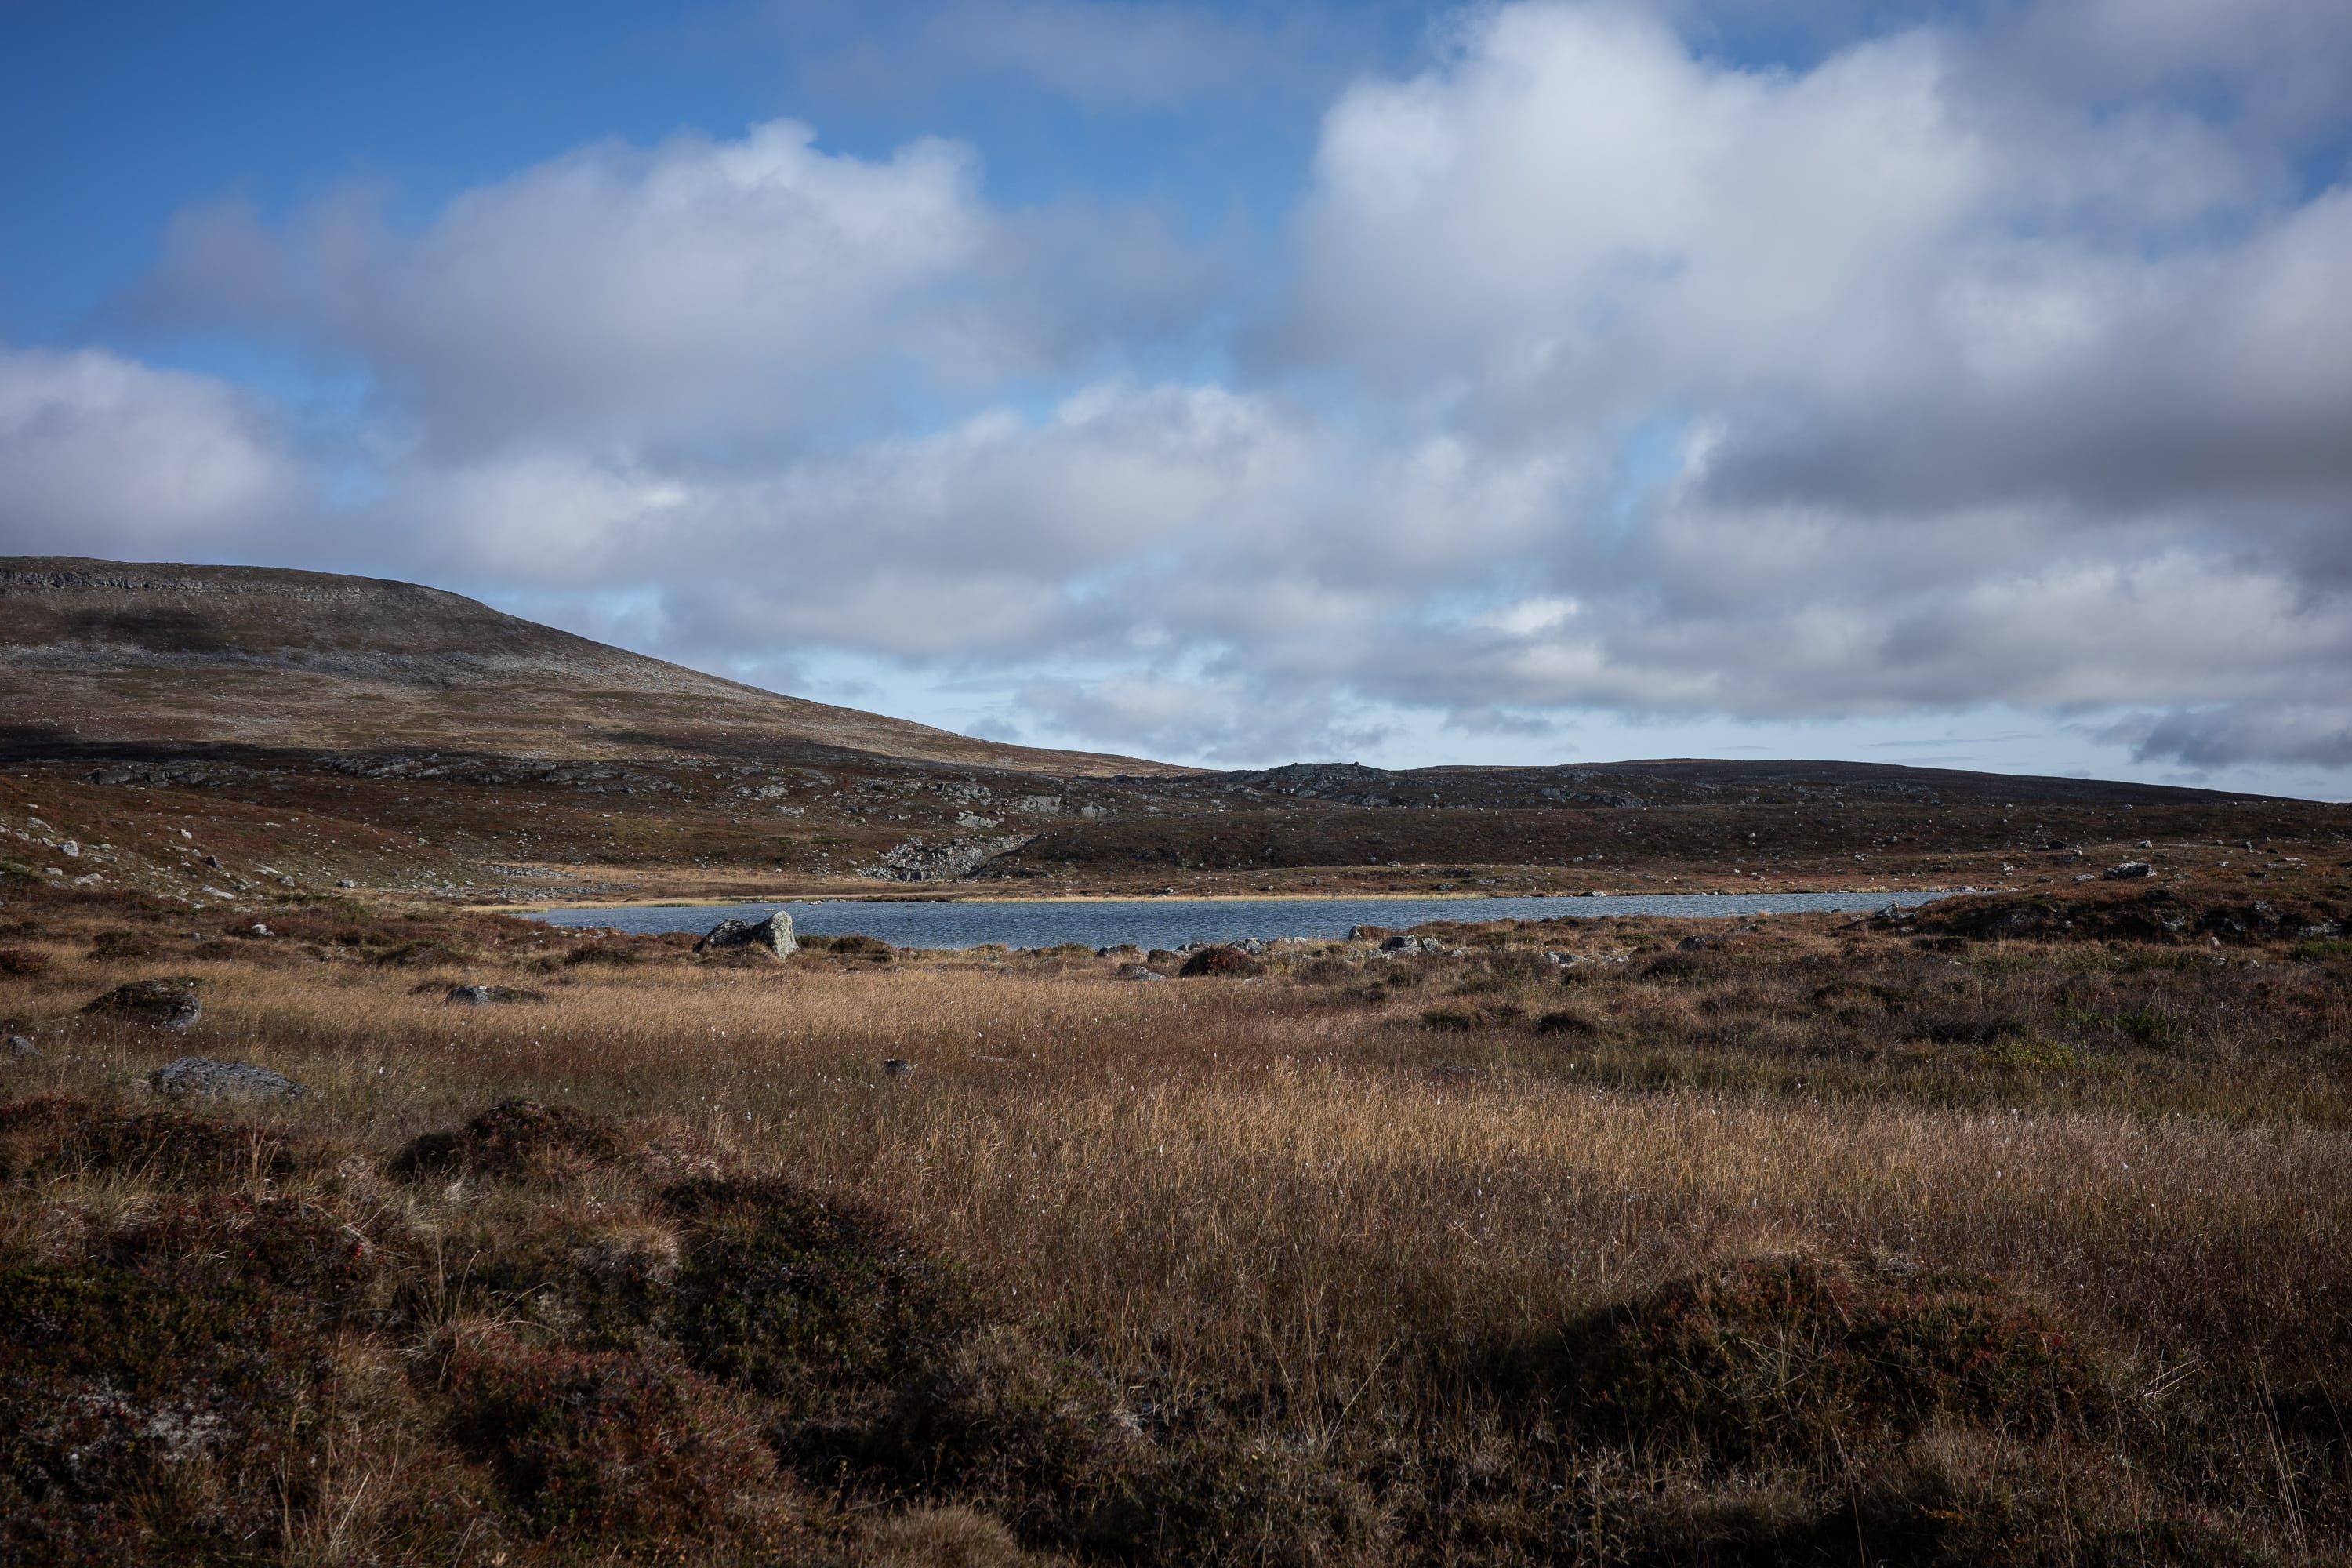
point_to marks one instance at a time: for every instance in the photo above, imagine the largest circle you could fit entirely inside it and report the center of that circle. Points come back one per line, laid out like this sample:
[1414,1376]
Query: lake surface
[1172,922]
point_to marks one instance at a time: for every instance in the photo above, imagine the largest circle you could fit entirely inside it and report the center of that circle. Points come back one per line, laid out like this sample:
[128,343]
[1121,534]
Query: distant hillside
[97,653]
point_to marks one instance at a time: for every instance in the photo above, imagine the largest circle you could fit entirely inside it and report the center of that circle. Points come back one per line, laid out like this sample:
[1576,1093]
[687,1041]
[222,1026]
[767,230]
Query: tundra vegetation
[2018,1230]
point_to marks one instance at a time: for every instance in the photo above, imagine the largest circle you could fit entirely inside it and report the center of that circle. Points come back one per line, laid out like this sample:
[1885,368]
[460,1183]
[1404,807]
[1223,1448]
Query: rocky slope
[100,653]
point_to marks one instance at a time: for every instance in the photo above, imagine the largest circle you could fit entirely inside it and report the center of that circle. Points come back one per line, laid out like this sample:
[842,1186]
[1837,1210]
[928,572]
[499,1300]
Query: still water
[1172,922]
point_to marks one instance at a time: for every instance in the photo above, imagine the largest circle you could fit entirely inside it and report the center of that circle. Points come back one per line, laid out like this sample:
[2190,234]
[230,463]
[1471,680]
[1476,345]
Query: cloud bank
[2005,363]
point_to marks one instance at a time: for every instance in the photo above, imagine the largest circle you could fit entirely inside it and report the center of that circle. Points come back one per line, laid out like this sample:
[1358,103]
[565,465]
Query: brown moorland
[2018,1231]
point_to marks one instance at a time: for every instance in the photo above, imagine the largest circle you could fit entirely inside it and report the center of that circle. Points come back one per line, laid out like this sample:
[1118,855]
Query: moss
[1797,1356]
[788,1290]
[601,1447]
[140,1423]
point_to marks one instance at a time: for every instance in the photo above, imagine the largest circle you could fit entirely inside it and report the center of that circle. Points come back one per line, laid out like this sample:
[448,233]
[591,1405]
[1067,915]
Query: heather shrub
[1229,963]
[786,1290]
[58,1135]
[1795,1356]
[141,1422]
[601,1447]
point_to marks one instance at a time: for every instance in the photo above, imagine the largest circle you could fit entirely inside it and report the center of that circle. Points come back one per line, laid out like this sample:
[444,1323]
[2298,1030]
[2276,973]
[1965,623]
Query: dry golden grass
[1290,1213]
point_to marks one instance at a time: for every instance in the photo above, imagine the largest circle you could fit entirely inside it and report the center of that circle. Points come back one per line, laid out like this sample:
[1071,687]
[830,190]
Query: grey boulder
[484,995]
[152,1003]
[773,936]
[199,1075]
[2129,868]
[19,1046]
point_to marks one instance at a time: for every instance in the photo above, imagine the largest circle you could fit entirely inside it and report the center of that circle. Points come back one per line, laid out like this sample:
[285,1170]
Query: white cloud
[103,455]
[621,296]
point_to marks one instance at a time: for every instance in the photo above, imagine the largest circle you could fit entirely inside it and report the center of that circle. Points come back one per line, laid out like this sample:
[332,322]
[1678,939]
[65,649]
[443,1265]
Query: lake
[1172,922]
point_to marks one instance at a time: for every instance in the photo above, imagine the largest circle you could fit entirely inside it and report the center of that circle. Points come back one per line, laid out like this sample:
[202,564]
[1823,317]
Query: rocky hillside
[98,653]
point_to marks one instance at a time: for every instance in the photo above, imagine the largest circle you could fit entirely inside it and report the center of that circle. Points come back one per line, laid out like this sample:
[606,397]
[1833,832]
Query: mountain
[103,654]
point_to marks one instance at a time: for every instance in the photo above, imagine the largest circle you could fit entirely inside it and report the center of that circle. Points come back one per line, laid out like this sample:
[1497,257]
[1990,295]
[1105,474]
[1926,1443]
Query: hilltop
[100,652]
[344,728]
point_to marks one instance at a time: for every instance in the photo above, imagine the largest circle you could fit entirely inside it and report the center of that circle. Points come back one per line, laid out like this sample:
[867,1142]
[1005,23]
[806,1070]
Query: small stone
[484,995]
[197,1075]
[20,1045]
[897,1067]
[347,882]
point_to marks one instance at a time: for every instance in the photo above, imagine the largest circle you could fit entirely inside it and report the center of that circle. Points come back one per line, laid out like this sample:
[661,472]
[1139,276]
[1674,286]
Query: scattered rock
[153,1003]
[19,1046]
[198,1074]
[1411,944]
[773,936]
[483,995]
[2129,868]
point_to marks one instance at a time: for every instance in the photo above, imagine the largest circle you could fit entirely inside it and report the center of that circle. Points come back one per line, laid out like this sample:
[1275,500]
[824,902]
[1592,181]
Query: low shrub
[513,1139]
[1565,1023]
[786,1290]
[1795,1356]
[146,1423]
[601,1447]
[58,1135]
[125,947]
[617,957]
[870,949]
[1228,963]
[419,954]
[282,1244]
[23,962]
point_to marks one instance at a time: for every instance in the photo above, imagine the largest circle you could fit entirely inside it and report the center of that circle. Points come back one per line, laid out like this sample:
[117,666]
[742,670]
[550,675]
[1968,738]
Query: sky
[1960,385]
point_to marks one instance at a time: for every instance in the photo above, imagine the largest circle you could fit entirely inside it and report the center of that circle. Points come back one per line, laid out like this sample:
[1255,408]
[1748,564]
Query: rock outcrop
[773,936]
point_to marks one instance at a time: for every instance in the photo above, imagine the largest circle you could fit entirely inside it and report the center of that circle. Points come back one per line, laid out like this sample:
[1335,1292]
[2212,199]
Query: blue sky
[1235,383]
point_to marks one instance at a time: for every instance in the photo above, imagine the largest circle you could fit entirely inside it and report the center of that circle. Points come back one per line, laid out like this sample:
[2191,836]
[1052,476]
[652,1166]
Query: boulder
[773,936]
[152,1003]
[897,1067]
[1140,972]
[20,1045]
[196,1075]
[2129,868]
[483,995]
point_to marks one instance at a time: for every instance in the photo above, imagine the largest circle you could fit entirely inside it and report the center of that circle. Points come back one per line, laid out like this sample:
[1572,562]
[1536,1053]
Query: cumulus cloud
[1999,361]
[103,455]
[697,289]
